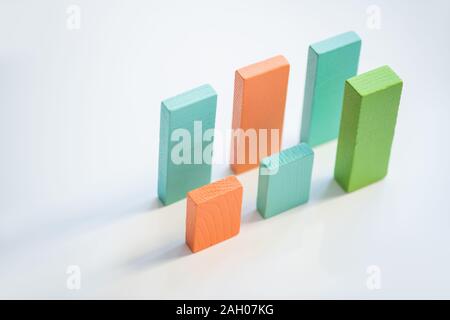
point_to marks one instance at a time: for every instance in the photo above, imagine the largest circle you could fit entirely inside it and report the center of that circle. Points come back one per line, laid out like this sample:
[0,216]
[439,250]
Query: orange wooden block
[213,213]
[259,101]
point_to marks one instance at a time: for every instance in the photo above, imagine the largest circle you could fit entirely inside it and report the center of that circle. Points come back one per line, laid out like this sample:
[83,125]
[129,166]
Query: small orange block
[260,93]
[213,213]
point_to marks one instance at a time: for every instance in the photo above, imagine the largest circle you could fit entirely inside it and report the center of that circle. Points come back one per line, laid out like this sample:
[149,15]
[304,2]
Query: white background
[79,125]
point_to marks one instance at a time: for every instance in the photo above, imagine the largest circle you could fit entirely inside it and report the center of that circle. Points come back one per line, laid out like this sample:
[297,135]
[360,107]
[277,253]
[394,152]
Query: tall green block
[284,180]
[330,63]
[185,148]
[369,114]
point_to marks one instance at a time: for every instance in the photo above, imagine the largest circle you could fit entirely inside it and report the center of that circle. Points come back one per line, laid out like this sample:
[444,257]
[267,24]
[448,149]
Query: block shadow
[159,256]
[325,189]
[252,217]
[87,219]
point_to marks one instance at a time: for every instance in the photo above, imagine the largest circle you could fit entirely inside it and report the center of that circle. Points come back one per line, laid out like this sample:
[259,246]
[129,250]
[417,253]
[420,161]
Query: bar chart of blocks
[224,149]
[359,110]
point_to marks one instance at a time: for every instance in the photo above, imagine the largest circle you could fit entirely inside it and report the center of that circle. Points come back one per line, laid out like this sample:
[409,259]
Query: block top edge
[287,156]
[336,42]
[262,67]
[189,97]
[374,80]
[214,189]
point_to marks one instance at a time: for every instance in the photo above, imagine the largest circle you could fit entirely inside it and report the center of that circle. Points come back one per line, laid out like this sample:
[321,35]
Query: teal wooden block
[184,157]
[285,180]
[330,63]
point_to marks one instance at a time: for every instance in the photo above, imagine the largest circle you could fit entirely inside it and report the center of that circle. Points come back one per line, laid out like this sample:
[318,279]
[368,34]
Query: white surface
[79,113]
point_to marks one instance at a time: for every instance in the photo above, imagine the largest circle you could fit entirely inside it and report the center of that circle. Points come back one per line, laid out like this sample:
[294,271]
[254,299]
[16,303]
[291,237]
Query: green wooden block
[369,114]
[284,180]
[184,156]
[330,63]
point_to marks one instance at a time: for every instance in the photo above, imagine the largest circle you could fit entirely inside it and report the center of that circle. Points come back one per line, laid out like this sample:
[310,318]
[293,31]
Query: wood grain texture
[182,112]
[259,102]
[369,115]
[285,180]
[330,63]
[213,213]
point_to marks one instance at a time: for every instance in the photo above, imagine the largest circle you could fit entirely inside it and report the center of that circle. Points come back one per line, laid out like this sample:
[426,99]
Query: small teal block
[285,180]
[175,179]
[330,63]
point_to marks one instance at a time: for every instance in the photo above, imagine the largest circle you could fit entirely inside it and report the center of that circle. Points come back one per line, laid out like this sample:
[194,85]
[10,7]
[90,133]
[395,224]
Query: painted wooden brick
[369,115]
[285,180]
[330,63]
[184,156]
[213,213]
[259,101]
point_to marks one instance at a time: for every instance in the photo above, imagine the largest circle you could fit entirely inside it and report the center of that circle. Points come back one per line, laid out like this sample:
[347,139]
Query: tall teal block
[284,180]
[182,147]
[330,63]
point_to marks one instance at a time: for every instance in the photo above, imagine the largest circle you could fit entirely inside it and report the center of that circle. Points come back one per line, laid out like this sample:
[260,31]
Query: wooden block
[213,213]
[330,63]
[259,102]
[369,114]
[185,113]
[285,180]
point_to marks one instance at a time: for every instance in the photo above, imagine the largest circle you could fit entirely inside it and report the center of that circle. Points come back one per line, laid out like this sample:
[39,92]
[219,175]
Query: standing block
[369,115]
[285,180]
[259,102]
[330,63]
[213,213]
[182,165]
